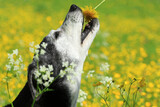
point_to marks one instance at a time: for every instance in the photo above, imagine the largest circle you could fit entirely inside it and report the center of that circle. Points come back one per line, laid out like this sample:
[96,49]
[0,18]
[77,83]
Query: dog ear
[32,82]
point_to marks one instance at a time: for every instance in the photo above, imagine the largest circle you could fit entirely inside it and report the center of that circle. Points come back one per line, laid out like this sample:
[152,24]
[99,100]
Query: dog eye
[56,34]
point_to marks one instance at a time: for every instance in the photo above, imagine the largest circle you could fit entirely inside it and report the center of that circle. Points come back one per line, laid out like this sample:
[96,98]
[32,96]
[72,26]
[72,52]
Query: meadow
[128,40]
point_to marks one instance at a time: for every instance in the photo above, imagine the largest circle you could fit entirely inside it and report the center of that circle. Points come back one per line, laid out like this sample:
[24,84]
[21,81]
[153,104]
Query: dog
[71,43]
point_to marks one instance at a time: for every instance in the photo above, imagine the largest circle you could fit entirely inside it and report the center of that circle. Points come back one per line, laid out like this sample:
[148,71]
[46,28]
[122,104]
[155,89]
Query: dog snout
[73,8]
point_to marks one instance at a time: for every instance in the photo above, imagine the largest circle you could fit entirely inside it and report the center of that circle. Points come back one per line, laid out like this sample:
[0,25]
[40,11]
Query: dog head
[70,42]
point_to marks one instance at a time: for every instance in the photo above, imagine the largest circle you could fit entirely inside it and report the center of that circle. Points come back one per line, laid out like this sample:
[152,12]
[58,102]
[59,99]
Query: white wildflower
[104,67]
[62,73]
[73,65]
[8,67]
[20,58]
[69,77]
[82,96]
[51,79]
[101,90]
[69,70]
[43,51]
[90,73]
[31,50]
[17,62]
[11,61]
[106,80]
[37,46]
[16,68]
[36,57]
[31,44]
[65,64]
[117,86]
[44,45]
[39,81]
[37,74]
[19,72]
[50,68]
[37,51]
[43,68]
[22,66]
[48,74]
[45,77]
[107,85]
[10,56]
[46,84]
[15,52]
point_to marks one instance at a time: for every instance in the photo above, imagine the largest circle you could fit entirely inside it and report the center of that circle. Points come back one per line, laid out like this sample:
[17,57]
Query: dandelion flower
[89,13]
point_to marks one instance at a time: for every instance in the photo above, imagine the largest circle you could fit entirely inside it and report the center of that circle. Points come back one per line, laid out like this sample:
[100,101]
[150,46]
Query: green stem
[44,90]
[34,101]
[102,98]
[124,98]
[99,4]
[8,90]
[134,100]
[129,92]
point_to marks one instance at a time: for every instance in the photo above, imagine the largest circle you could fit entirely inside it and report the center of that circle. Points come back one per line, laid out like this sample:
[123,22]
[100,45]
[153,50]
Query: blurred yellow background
[129,40]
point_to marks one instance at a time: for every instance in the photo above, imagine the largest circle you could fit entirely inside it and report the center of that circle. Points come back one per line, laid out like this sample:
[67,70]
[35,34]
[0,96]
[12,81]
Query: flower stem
[124,100]
[102,98]
[135,97]
[34,101]
[99,4]
[8,90]
[129,92]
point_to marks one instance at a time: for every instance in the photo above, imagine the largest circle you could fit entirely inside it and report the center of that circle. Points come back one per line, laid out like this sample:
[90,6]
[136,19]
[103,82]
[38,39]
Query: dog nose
[73,7]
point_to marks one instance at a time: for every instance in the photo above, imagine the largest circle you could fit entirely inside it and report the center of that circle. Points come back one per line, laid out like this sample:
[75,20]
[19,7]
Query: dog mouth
[89,27]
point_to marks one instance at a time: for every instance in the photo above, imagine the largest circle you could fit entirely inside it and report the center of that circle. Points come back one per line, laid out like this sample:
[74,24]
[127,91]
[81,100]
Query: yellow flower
[151,85]
[48,18]
[117,75]
[89,13]
[120,102]
[61,22]
[148,104]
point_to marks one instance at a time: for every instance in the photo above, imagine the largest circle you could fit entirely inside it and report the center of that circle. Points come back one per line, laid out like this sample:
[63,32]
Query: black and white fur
[70,43]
